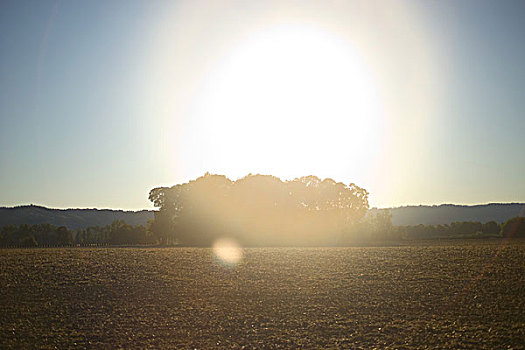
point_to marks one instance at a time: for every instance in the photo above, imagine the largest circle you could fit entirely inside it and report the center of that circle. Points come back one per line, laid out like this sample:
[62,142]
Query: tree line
[380,228]
[256,210]
[263,210]
[47,235]
[470,229]
[371,229]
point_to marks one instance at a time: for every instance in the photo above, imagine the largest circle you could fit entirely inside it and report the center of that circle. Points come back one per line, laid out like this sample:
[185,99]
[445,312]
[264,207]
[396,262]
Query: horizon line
[153,209]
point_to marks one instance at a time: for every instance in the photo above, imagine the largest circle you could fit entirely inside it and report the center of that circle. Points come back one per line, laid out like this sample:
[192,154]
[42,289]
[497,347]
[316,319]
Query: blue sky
[96,97]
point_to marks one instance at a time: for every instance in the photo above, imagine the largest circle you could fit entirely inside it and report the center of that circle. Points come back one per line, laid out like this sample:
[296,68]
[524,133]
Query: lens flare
[228,251]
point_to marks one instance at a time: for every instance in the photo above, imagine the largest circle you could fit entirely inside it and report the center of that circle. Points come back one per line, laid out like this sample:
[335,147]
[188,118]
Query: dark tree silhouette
[257,210]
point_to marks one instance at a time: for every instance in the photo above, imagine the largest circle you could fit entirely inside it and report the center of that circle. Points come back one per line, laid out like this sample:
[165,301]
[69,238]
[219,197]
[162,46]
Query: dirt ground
[451,294]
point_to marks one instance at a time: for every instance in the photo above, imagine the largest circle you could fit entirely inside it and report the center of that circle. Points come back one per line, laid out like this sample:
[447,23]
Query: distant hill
[71,218]
[448,213]
[410,215]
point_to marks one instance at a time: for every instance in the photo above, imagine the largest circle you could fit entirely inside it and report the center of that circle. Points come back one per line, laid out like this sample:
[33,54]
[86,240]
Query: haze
[419,102]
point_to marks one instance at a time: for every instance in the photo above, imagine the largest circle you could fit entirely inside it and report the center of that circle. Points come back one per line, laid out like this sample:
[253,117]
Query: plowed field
[427,295]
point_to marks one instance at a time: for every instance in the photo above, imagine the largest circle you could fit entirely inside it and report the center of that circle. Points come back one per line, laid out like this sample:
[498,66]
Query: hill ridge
[74,218]
[448,213]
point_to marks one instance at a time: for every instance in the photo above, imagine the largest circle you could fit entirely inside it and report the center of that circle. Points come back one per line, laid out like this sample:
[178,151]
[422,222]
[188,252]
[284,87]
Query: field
[452,294]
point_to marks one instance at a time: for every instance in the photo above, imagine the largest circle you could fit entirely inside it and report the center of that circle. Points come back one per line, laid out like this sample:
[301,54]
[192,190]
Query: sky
[419,102]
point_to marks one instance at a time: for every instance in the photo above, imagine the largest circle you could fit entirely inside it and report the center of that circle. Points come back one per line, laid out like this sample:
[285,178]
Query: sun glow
[290,101]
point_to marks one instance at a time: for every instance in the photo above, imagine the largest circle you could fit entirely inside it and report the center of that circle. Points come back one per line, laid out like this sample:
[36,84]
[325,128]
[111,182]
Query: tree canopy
[257,210]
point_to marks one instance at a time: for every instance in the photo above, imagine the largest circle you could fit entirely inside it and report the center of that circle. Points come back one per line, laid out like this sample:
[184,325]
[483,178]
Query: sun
[289,101]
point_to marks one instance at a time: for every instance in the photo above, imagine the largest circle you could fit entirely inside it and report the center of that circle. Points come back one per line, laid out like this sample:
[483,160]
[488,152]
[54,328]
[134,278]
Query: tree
[64,236]
[161,227]
[490,228]
[514,227]
[257,210]
[29,242]
[383,223]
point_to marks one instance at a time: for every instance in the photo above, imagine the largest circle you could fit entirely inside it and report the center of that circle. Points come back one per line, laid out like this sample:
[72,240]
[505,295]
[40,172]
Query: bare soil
[451,294]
